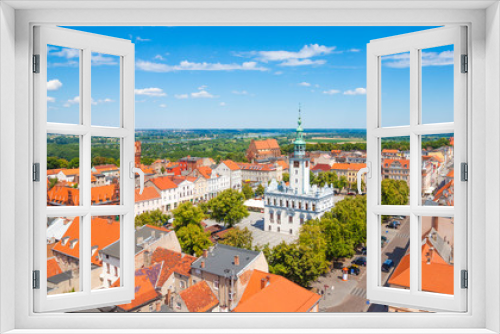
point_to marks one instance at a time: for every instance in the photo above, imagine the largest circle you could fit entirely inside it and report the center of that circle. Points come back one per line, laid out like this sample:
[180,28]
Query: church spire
[299,143]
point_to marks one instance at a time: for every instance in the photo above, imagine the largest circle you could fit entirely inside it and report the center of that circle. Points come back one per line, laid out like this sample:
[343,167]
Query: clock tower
[299,164]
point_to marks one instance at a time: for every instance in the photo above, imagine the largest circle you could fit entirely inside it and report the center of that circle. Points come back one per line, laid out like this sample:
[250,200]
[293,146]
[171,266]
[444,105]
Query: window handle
[139,171]
[362,171]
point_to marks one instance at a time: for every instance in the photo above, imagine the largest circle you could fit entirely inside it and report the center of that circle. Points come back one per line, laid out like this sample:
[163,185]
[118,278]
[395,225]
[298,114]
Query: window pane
[395,252]
[63,85]
[395,89]
[63,170]
[63,255]
[437,84]
[105,90]
[105,247]
[438,170]
[437,254]
[105,179]
[395,170]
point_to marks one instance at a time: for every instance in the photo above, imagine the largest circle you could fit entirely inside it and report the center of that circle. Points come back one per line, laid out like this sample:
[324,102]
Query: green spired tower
[299,164]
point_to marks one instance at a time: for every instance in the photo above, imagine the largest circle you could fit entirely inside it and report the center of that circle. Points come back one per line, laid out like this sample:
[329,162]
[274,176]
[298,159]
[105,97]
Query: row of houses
[222,279]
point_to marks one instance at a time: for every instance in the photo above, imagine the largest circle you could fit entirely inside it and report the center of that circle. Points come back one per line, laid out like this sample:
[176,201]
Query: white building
[286,208]
[230,169]
[149,200]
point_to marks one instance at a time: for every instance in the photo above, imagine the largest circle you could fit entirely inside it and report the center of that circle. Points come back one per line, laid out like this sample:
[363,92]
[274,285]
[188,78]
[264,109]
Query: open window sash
[413,296]
[45,38]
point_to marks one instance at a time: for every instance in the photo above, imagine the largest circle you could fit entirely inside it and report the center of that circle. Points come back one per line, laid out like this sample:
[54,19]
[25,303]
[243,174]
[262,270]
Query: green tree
[238,238]
[154,218]
[247,191]
[260,190]
[296,262]
[186,214]
[286,177]
[395,192]
[74,163]
[228,207]
[53,182]
[193,239]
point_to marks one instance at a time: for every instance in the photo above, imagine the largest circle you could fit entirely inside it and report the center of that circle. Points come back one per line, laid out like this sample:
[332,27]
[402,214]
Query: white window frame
[482,315]
[414,43]
[86,43]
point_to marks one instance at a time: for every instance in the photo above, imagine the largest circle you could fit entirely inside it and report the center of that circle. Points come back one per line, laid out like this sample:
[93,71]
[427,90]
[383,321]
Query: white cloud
[222,104]
[331,91]
[240,92]
[100,101]
[402,60]
[202,94]
[278,73]
[138,39]
[163,105]
[159,57]
[67,53]
[354,50]
[305,84]
[357,91]
[51,99]
[72,101]
[316,85]
[307,51]
[202,87]
[189,66]
[181,96]
[302,62]
[150,92]
[98,59]
[54,84]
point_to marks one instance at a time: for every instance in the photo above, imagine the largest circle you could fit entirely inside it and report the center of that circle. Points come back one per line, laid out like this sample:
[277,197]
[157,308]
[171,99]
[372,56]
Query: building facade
[287,208]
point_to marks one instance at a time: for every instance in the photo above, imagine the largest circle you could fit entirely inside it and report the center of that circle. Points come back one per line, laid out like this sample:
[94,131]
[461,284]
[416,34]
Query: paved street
[350,296]
[255,223]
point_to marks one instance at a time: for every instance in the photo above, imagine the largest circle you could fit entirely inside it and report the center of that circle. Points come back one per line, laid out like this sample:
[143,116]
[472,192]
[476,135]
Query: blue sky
[250,77]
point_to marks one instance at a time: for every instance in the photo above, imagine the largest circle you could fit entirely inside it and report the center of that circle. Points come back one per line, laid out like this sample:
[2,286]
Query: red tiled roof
[389,151]
[405,163]
[164,183]
[257,167]
[222,234]
[277,295]
[172,262]
[437,276]
[266,144]
[148,194]
[231,164]
[348,166]
[199,297]
[205,171]
[144,292]
[104,233]
[63,195]
[322,167]
[448,187]
[283,164]
[106,193]
[53,267]
[100,168]
[451,173]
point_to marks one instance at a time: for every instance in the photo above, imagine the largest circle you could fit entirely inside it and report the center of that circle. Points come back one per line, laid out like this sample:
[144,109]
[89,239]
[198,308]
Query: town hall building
[287,208]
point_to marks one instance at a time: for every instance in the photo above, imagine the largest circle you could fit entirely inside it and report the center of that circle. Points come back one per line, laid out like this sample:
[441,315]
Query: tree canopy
[238,238]
[185,214]
[228,207]
[395,192]
[247,191]
[193,239]
[154,218]
[260,190]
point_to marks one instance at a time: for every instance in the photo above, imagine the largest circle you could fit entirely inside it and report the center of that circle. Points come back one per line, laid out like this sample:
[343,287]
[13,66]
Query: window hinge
[36,63]
[464,171]
[465,279]
[465,64]
[36,172]
[36,279]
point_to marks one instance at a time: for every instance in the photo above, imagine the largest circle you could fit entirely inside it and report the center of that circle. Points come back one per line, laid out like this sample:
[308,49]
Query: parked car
[360,261]
[393,224]
[387,265]
[354,270]
[363,251]
[383,240]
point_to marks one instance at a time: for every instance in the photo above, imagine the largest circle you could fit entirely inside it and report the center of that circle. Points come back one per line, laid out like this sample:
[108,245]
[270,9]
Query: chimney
[202,264]
[435,223]
[264,282]
[205,253]
[147,258]
[140,240]
[236,260]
